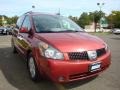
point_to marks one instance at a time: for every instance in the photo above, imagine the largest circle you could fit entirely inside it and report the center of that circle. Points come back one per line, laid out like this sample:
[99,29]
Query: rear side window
[19,22]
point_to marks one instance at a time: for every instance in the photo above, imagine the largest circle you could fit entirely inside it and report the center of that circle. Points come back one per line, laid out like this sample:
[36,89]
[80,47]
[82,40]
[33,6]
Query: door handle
[20,37]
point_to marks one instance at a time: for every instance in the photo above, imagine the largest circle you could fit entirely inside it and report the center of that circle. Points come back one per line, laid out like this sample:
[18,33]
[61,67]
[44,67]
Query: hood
[72,42]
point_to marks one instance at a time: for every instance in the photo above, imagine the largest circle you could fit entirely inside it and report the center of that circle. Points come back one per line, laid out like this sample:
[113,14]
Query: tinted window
[49,23]
[19,22]
[26,24]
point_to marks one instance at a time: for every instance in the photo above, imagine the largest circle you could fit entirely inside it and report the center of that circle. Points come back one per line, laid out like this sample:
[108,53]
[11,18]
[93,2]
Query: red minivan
[56,47]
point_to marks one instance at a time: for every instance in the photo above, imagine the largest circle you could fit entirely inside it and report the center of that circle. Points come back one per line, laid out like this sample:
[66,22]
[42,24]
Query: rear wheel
[32,68]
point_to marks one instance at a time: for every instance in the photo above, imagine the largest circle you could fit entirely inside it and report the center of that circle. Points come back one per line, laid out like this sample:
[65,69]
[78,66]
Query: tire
[7,33]
[32,68]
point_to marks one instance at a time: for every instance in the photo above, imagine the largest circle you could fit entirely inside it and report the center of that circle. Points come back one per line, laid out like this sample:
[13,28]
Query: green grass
[100,33]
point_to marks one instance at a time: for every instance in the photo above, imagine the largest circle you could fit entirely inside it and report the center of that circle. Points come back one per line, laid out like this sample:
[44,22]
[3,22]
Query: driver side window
[26,23]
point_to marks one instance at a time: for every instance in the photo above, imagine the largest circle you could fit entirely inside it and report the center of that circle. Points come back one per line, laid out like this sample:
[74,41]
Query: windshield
[50,23]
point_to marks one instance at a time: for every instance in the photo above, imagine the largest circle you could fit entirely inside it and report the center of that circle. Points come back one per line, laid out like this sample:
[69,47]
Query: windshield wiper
[46,32]
[69,31]
[50,31]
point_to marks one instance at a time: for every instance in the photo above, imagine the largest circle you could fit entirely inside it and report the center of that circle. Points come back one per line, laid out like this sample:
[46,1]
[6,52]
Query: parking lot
[14,75]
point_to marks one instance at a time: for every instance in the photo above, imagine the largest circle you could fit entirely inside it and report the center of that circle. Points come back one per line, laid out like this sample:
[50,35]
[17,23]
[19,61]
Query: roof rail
[29,12]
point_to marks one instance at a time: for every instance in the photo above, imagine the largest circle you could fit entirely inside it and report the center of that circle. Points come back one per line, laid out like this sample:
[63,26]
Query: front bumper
[4,32]
[63,71]
[1,31]
[116,32]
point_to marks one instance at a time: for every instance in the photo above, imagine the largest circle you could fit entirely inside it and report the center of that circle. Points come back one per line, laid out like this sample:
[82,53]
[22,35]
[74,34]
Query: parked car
[116,31]
[4,30]
[1,30]
[56,47]
[9,30]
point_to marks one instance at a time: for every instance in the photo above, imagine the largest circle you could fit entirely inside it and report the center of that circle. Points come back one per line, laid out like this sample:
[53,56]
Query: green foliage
[84,20]
[114,19]
[88,18]
[96,15]
[75,19]
[10,20]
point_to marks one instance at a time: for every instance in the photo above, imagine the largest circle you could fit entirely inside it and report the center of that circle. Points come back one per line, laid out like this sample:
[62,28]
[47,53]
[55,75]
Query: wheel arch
[31,52]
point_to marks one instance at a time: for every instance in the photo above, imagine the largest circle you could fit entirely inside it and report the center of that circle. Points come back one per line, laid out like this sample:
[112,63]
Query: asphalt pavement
[14,75]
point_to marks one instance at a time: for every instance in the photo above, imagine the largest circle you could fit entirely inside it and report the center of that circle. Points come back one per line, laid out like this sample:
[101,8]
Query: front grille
[84,55]
[101,52]
[78,55]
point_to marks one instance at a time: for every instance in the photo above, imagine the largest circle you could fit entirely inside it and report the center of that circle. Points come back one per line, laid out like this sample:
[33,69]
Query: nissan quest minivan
[56,47]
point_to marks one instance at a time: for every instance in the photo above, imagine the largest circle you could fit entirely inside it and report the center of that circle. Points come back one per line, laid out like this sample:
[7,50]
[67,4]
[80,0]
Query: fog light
[61,78]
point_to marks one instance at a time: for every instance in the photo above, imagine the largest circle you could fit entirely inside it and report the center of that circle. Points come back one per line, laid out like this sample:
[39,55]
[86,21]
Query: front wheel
[32,68]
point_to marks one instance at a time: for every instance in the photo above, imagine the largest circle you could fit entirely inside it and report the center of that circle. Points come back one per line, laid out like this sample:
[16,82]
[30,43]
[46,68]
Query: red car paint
[65,70]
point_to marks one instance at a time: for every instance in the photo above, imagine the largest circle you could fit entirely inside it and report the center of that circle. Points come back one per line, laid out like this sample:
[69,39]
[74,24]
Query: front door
[22,37]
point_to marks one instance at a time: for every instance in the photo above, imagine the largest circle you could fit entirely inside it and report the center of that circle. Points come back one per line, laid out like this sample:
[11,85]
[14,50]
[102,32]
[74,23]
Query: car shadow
[78,83]
[1,34]
[14,69]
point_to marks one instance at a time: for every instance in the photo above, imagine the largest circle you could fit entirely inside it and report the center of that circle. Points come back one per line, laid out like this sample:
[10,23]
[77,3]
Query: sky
[67,7]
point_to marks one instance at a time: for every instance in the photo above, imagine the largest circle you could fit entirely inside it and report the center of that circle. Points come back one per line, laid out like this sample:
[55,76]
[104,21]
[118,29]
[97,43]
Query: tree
[114,19]
[75,19]
[1,16]
[95,17]
[87,19]
[83,20]
[14,19]
[10,20]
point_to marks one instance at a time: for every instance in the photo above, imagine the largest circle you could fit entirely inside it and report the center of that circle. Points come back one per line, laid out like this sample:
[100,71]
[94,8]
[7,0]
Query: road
[14,75]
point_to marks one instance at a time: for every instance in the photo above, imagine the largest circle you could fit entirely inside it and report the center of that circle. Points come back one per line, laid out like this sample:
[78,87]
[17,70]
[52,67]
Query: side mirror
[23,30]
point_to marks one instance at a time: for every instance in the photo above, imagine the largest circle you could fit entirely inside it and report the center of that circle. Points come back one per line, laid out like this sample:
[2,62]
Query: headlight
[92,55]
[5,29]
[50,52]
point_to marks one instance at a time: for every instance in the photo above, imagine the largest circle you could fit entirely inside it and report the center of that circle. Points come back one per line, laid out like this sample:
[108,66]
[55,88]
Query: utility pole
[58,12]
[100,5]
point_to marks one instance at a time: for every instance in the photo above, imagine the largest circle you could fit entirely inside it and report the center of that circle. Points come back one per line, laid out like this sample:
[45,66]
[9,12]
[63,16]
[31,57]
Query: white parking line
[5,45]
